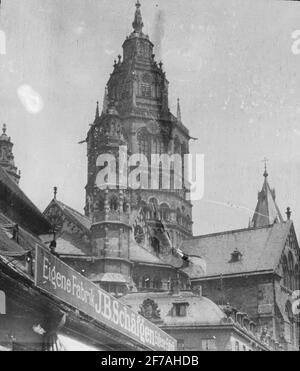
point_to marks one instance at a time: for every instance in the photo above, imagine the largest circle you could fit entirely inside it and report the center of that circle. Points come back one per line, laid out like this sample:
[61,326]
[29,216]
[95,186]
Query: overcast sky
[230,62]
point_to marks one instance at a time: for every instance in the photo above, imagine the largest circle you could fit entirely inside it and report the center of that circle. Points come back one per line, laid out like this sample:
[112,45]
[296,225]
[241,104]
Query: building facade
[256,269]
[137,243]
[32,317]
[127,242]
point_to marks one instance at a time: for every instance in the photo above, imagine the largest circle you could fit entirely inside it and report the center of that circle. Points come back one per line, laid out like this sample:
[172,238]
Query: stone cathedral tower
[6,156]
[136,114]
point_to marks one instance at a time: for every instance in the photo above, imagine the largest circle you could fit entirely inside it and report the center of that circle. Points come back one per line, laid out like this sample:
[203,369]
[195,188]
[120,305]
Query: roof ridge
[231,231]
[20,194]
[74,210]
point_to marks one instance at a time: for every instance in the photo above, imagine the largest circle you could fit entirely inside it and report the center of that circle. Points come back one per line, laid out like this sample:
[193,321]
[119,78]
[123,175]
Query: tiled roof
[67,244]
[8,183]
[261,249]
[140,255]
[200,310]
[8,246]
[76,216]
[27,241]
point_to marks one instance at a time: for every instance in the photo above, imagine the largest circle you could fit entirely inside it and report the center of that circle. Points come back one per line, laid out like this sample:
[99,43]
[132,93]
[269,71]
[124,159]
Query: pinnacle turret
[138,20]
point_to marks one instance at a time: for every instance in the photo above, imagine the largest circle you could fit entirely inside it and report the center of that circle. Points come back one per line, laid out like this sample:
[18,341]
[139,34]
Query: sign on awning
[64,283]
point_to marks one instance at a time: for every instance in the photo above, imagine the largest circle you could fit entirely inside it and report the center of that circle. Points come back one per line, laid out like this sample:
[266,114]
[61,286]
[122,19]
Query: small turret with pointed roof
[138,20]
[97,115]
[105,101]
[178,110]
[267,211]
[7,157]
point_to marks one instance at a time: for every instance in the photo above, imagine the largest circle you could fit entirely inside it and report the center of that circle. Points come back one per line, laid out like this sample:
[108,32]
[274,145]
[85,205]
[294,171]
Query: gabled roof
[12,187]
[79,219]
[260,249]
[68,245]
[267,212]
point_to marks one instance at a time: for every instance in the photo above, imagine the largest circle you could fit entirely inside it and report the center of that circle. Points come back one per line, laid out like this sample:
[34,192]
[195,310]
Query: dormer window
[179,309]
[236,256]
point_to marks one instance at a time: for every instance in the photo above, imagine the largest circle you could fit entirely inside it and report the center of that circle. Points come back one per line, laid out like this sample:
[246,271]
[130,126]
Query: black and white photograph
[149,178]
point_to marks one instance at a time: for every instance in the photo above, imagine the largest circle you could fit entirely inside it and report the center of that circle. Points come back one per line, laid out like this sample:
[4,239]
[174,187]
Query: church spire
[97,112]
[266,174]
[138,20]
[267,211]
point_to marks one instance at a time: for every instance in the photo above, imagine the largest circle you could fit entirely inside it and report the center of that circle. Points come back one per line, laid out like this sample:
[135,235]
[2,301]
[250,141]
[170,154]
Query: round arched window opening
[139,235]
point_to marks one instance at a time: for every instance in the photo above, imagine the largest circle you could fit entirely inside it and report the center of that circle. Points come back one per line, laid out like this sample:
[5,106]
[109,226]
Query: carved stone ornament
[149,310]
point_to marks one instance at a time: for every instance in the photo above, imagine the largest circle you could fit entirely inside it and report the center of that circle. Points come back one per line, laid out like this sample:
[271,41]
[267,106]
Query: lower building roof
[259,249]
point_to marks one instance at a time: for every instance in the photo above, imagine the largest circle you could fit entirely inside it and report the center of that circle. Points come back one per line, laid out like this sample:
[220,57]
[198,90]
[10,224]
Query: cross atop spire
[138,20]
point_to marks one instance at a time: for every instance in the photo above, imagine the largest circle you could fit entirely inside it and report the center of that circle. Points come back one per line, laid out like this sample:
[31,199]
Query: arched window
[153,205]
[114,203]
[285,270]
[144,142]
[146,85]
[177,146]
[145,209]
[297,277]
[291,271]
[101,203]
[125,206]
[165,212]
[156,246]
[158,146]
[146,90]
